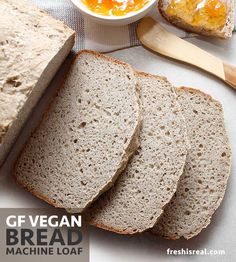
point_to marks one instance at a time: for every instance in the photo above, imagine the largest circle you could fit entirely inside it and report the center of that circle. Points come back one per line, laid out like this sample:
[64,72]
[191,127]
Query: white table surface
[106,246]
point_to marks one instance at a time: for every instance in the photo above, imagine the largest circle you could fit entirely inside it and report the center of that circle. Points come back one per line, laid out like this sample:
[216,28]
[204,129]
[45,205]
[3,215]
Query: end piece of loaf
[32,47]
[138,197]
[203,183]
[86,137]
[179,21]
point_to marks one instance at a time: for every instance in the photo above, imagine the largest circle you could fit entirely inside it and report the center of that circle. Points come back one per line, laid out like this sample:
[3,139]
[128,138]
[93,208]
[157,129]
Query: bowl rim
[79,4]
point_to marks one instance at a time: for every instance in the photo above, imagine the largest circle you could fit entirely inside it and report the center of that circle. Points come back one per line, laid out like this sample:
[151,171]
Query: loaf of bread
[86,137]
[32,47]
[215,19]
[138,197]
[203,183]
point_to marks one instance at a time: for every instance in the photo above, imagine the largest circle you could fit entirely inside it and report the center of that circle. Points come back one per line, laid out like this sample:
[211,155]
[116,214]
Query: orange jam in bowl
[114,7]
[210,14]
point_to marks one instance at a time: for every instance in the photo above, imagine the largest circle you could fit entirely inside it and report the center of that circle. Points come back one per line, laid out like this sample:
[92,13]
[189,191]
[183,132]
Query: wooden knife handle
[230,75]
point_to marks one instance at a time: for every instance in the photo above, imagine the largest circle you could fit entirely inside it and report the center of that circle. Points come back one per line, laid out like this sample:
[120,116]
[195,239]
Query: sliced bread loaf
[138,197]
[211,18]
[86,137]
[203,183]
[32,47]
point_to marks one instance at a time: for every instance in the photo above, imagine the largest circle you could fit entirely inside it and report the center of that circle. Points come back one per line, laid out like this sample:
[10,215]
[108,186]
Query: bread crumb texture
[136,200]
[203,183]
[84,138]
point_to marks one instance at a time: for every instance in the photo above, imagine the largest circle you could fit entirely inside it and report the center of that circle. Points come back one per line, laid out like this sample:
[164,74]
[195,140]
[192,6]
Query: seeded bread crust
[225,33]
[188,213]
[121,202]
[127,153]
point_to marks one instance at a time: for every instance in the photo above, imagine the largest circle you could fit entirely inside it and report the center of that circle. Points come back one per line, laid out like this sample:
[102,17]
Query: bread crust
[198,91]
[30,89]
[195,29]
[111,229]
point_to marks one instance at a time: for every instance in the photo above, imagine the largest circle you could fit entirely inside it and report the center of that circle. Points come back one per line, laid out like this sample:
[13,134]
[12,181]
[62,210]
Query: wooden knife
[155,37]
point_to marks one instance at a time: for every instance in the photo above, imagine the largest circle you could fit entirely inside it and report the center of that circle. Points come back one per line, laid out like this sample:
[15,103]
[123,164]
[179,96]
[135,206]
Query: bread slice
[86,137]
[179,19]
[203,184]
[138,197]
[32,47]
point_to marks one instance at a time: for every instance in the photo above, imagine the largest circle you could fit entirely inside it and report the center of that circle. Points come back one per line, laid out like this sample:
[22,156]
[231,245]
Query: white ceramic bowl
[114,20]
